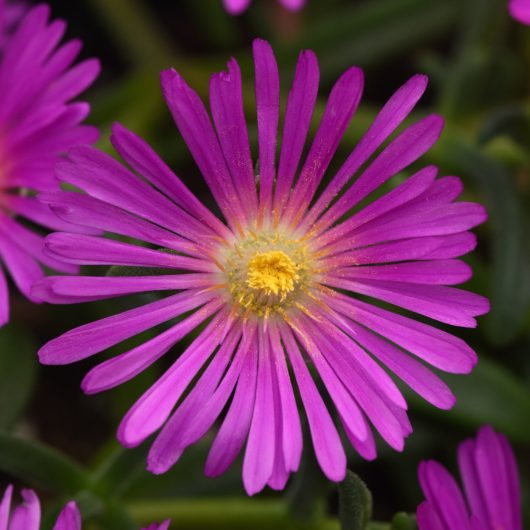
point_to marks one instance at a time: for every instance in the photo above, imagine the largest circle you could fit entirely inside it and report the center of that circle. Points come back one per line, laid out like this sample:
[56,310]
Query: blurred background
[478,62]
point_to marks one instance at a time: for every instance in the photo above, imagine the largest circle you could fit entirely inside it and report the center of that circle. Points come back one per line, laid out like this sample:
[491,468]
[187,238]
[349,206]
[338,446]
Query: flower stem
[230,513]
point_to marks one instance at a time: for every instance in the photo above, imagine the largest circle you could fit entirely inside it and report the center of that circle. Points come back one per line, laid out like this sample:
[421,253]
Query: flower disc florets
[267,271]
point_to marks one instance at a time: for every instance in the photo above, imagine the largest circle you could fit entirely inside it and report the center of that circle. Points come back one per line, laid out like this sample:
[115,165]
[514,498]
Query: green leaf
[510,267]
[119,469]
[18,364]
[135,30]
[512,121]
[355,508]
[403,521]
[40,466]
[368,33]
[490,394]
[114,517]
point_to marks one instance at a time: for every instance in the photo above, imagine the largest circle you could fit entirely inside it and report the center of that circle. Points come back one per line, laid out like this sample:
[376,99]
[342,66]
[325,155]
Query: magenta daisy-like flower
[38,123]
[236,7]
[280,291]
[27,515]
[520,10]
[491,484]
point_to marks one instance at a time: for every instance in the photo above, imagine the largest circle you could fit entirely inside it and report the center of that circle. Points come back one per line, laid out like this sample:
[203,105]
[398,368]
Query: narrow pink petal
[366,448]
[446,304]
[389,118]
[236,7]
[433,220]
[84,210]
[422,380]
[326,441]
[31,244]
[95,337]
[393,251]
[150,412]
[4,301]
[27,515]
[470,477]
[410,145]
[365,391]
[5,507]
[443,190]
[43,290]
[162,526]
[194,124]
[236,424]
[343,400]
[75,80]
[22,267]
[69,518]
[291,428]
[110,286]
[61,59]
[31,208]
[125,366]
[259,455]
[195,415]
[300,106]
[493,476]
[279,475]
[514,486]
[344,336]
[341,106]
[442,350]
[104,178]
[267,88]
[440,272]
[226,103]
[452,246]
[143,159]
[427,518]
[405,192]
[90,250]
[520,10]
[443,493]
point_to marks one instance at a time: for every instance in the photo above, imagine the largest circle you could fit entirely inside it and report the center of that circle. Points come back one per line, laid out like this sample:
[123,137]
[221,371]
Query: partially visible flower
[38,123]
[236,7]
[491,485]
[282,282]
[520,10]
[27,515]
[156,526]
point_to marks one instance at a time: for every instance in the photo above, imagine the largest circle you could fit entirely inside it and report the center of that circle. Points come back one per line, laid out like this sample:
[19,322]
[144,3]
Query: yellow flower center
[266,272]
[272,272]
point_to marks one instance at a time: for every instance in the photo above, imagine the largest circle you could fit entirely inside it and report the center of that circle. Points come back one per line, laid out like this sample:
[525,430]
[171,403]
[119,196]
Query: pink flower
[38,123]
[520,10]
[281,283]
[27,515]
[236,7]
[491,485]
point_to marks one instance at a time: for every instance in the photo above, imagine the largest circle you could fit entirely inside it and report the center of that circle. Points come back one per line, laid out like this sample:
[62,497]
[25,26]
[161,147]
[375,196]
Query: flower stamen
[267,270]
[272,273]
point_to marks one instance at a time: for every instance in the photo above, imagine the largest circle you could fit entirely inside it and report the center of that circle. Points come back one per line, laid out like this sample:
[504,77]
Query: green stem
[230,513]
